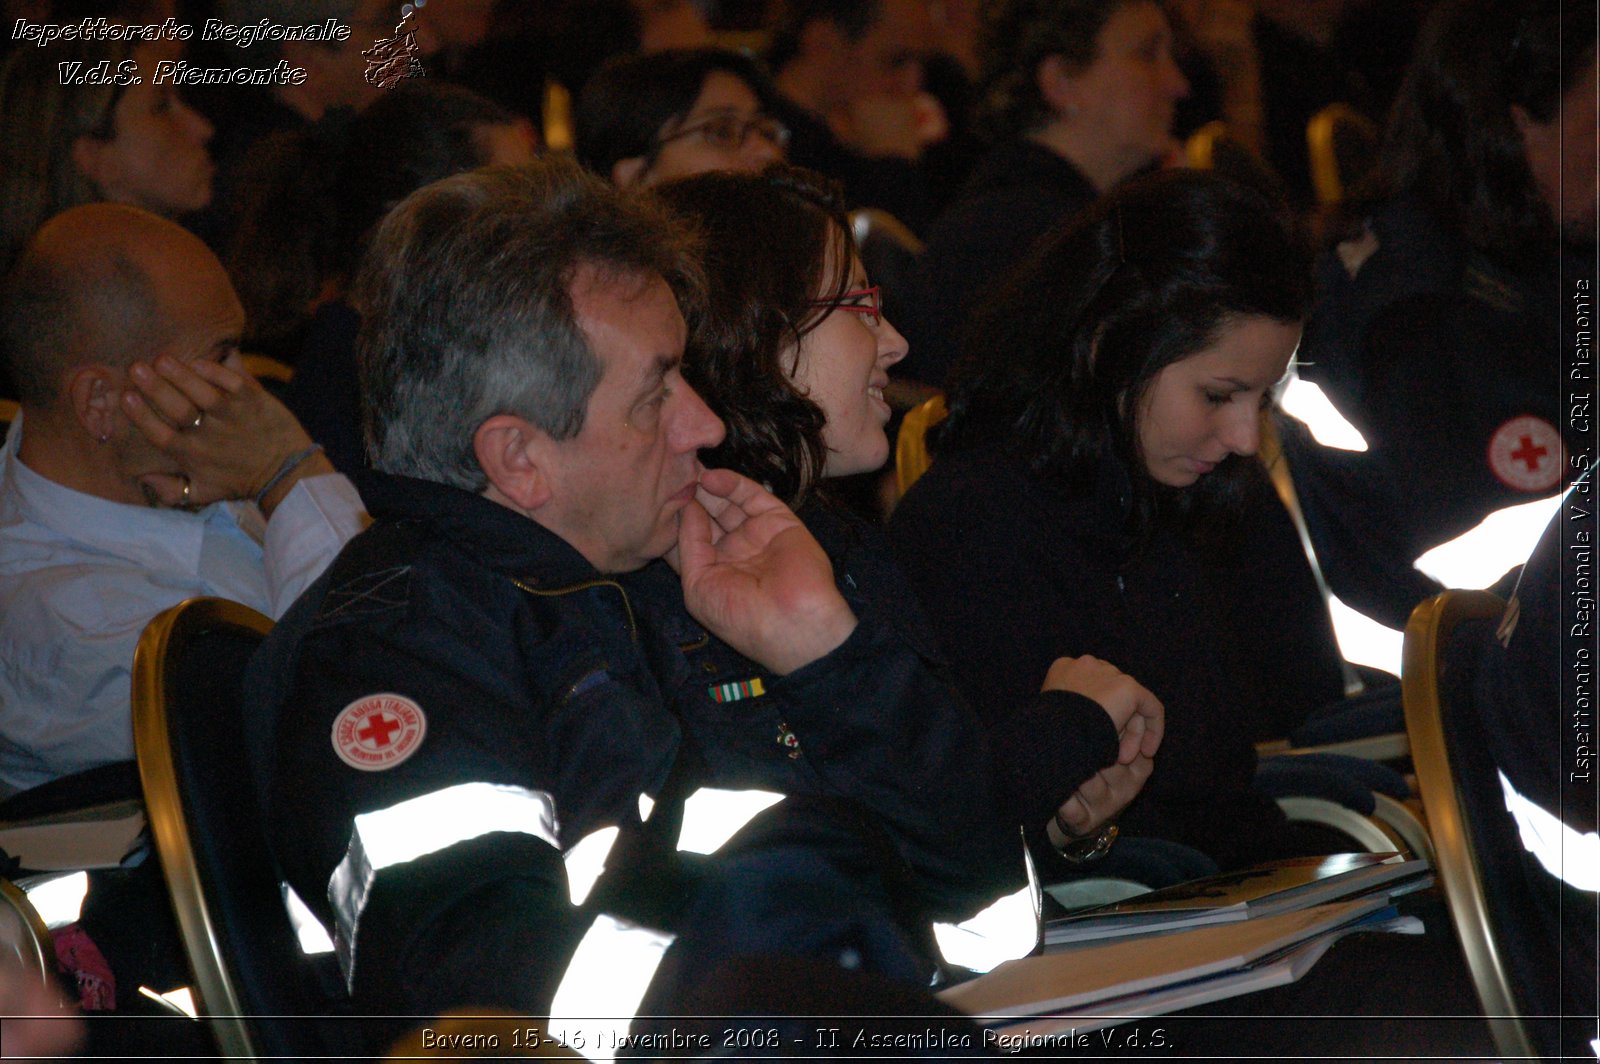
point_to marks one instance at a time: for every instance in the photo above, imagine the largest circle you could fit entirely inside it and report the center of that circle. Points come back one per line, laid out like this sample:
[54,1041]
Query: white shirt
[80,577]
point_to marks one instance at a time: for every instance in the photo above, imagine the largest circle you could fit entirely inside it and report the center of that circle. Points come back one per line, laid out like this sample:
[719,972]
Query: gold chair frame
[267,368]
[36,950]
[216,997]
[1322,148]
[1456,859]
[911,458]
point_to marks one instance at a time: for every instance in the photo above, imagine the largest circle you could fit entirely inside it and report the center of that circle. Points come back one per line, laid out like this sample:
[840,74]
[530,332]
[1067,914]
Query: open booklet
[99,836]
[1102,984]
[1247,894]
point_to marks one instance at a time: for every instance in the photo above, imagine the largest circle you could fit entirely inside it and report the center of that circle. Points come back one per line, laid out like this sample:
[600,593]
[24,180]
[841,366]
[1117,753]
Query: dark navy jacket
[543,677]
[1450,367]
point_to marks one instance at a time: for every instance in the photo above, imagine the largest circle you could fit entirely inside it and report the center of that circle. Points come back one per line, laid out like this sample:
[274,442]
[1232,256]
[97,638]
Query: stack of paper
[1098,985]
[1280,886]
[99,836]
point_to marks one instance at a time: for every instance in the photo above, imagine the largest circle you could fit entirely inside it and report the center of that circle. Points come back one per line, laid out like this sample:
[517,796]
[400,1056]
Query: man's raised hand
[755,577]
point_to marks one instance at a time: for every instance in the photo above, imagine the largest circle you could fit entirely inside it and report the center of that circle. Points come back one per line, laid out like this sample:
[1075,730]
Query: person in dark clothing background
[1440,318]
[317,204]
[1528,712]
[854,67]
[643,119]
[1080,95]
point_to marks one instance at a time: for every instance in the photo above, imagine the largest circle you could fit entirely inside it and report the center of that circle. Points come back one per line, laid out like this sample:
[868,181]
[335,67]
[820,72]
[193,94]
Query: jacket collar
[495,536]
[1020,161]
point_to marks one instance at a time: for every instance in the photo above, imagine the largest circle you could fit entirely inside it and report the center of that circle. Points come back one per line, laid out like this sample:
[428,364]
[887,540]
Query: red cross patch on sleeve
[378,732]
[1525,454]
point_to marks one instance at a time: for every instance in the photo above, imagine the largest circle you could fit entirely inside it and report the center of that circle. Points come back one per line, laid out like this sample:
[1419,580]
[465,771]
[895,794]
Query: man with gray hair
[495,779]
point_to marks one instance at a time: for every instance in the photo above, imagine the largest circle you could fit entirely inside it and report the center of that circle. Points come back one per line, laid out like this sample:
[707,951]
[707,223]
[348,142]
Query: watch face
[1091,847]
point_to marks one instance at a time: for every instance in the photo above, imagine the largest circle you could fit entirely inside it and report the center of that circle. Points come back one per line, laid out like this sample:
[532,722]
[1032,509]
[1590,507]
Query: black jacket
[1444,363]
[1017,193]
[573,694]
[1015,572]
[1032,779]
[890,183]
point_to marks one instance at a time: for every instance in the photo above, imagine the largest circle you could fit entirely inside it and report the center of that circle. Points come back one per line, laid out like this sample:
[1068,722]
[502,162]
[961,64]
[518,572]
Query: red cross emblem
[1525,454]
[379,728]
[378,732]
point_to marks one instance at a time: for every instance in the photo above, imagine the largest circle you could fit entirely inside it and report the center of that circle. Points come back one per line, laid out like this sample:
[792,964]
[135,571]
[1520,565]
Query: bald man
[146,468]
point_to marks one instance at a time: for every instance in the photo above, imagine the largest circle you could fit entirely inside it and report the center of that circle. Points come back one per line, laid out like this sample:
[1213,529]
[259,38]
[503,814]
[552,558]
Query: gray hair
[465,297]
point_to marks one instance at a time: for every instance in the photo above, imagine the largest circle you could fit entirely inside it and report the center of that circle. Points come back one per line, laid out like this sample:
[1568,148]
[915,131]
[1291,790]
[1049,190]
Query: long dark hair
[772,242]
[1058,363]
[1451,142]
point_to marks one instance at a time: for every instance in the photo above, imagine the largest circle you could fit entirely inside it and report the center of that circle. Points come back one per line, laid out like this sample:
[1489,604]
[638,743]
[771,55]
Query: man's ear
[1058,85]
[624,172]
[512,454]
[95,394]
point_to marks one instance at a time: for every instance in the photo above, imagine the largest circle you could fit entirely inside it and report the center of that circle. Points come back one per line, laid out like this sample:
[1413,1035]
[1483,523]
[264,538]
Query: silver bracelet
[290,464]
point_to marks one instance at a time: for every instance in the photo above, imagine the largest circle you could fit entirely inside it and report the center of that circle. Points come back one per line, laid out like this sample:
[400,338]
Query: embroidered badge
[378,732]
[1525,454]
[733,692]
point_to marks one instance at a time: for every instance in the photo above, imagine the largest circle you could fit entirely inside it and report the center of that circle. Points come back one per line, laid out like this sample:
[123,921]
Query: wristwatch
[1080,849]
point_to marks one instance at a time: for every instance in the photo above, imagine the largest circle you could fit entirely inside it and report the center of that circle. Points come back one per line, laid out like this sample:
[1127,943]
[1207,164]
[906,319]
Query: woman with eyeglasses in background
[645,119]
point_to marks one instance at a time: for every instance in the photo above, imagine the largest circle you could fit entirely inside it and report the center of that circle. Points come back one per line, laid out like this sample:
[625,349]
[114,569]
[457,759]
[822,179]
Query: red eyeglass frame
[873,309]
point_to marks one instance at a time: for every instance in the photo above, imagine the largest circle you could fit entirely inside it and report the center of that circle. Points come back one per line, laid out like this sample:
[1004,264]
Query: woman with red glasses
[791,348]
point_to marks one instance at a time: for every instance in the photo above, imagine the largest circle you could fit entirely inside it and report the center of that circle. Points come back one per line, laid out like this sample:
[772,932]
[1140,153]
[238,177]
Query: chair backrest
[267,368]
[273,375]
[911,458]
[1343,147]
[23,935]
[1276,461]
[1214,147]
[211,837]
[1455,772]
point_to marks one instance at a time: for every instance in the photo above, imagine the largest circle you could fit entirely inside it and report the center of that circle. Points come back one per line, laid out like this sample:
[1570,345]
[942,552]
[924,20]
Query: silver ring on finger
[199,417]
